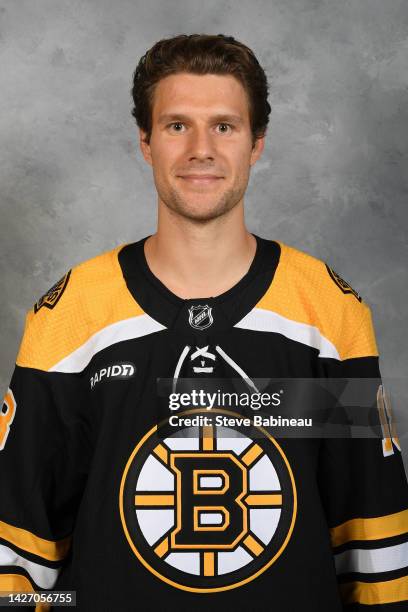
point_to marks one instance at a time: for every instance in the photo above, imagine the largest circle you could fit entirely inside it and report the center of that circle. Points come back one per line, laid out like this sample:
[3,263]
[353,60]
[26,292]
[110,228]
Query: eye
[225,125]
[178,123]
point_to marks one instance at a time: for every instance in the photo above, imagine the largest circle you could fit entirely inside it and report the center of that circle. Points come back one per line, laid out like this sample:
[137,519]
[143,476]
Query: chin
[201,215]
[200,209]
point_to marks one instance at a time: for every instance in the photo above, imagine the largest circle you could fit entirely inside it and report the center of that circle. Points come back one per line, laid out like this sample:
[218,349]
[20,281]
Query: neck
[201,260]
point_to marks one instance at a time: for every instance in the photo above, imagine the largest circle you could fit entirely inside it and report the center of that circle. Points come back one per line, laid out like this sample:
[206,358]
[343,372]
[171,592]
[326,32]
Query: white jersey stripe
[375,560]
[135,327]
[259,319]
[44,576]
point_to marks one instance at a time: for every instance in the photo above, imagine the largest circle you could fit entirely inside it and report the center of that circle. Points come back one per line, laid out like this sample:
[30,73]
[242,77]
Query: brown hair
[200,54]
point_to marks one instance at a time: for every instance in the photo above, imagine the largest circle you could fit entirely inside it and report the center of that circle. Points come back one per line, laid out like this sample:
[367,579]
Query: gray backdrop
[332,180]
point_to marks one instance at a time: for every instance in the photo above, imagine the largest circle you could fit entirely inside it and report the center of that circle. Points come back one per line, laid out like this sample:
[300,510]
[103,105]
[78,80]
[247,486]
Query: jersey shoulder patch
[53,295]
[341,283]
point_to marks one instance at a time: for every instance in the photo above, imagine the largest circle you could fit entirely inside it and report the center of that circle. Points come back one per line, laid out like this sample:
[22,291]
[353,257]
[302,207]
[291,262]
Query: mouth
[201,179]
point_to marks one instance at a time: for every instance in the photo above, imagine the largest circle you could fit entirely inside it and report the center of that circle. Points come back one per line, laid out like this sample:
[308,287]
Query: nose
[201,144]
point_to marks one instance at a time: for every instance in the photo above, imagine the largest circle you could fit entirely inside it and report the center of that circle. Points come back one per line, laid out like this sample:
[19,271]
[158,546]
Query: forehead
[192,93]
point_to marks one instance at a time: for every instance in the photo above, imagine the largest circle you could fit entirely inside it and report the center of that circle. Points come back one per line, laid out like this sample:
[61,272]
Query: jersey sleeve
[364,489]
[43,467]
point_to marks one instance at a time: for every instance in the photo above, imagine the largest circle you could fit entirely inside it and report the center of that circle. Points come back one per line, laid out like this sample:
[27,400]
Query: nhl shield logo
[200,316]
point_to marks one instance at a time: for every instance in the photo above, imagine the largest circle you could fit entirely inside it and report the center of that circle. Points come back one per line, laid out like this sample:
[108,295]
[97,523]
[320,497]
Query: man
[116,483]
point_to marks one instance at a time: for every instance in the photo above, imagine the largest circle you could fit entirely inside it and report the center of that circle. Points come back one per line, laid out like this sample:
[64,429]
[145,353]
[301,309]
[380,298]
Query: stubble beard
[181,205]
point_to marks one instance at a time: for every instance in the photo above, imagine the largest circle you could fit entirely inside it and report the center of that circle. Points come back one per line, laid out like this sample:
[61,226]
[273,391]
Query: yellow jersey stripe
[370,528]
[15,583]
[372,593]
[25,540]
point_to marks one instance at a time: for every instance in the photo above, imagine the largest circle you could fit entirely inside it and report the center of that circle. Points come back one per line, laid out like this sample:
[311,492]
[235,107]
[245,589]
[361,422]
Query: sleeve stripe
[375,560]
[375,593]
[370,528]
[25,540]
[45,577]
[16,583]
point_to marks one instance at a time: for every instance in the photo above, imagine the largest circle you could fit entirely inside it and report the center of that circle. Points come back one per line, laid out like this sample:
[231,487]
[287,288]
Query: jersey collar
[199,317]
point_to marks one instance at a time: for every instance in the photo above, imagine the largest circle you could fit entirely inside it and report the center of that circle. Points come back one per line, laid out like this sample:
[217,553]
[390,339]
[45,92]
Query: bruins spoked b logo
[208,511]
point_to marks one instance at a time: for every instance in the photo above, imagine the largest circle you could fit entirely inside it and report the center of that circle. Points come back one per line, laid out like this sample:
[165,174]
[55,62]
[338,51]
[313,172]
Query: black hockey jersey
[116,485]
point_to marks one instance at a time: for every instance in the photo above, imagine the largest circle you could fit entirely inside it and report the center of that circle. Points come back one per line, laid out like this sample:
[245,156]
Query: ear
[257,150]
[145,147]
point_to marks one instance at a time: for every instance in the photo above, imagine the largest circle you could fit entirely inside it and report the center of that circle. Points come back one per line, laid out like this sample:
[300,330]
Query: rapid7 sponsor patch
[117,371]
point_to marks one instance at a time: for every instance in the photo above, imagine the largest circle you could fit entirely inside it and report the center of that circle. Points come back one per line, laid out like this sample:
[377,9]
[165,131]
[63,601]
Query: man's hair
[200,54]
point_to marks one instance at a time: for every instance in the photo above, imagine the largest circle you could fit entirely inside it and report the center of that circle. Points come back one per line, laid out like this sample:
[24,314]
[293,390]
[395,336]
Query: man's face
[201,144]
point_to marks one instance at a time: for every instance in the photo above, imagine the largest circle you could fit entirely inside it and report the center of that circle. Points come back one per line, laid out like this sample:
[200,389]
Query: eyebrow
[227,117]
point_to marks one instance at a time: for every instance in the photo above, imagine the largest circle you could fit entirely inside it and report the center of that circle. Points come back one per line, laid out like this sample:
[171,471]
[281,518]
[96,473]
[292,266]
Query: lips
[200,176]
[201,179]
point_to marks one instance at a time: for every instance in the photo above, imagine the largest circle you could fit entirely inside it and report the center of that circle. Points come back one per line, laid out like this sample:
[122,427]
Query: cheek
[236,153]
[168,157]
[240,164]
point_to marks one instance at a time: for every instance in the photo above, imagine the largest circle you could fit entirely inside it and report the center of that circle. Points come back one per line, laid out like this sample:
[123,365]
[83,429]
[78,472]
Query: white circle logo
[207,508]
